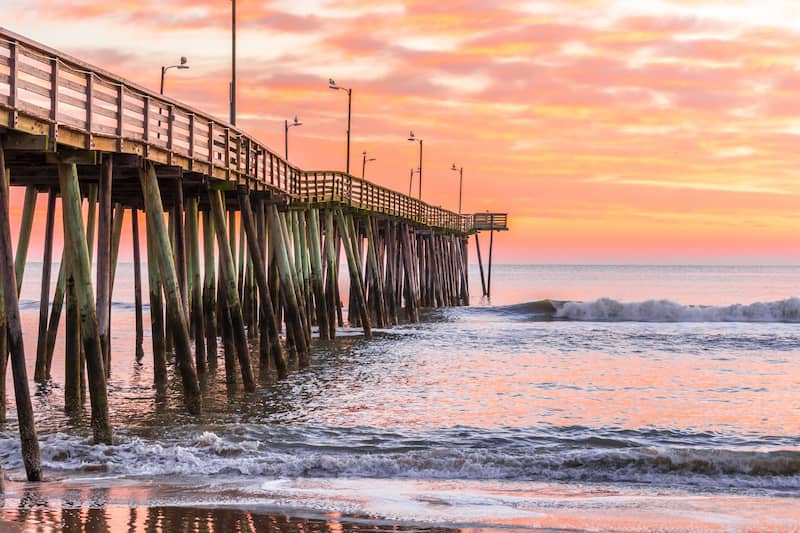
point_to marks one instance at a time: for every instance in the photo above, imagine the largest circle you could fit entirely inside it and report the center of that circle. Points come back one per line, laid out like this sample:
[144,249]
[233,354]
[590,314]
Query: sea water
[580,397]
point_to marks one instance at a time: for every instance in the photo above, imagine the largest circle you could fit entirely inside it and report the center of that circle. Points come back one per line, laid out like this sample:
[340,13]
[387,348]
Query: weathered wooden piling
[58,296]
[266,307]
[80,268]
[228,281]
[4,358]
[21,258]
[480,264]
[40,372]
[180,245]
[72,348]
[104,255]
[331,274]
[169,281]
[225,321]
[317,274]
[347,234]
[30,444]
[377,275]
[193,260]
[267,365]
[156,310]
[137,284]
[209,290]
[294,322]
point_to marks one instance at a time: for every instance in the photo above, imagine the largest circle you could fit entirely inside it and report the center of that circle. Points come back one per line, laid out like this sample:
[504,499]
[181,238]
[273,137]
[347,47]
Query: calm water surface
[581,397]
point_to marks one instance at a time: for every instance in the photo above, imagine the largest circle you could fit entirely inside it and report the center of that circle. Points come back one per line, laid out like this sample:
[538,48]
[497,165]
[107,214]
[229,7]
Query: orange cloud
[608,130]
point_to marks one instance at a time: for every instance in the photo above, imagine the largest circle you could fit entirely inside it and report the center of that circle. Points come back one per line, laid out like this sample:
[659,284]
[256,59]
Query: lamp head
[453,167]
[296,122]
[183,64]
[332,84]
[411,136]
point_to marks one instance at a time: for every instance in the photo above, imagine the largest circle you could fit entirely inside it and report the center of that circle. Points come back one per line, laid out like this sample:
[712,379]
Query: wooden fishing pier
[250,247]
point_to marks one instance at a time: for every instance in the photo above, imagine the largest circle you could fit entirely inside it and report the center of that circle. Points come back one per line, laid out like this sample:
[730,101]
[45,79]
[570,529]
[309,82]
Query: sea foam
[607,309]
[212,454]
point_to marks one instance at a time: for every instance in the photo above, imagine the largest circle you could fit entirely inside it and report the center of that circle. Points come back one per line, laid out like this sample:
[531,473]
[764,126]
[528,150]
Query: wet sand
[148,507]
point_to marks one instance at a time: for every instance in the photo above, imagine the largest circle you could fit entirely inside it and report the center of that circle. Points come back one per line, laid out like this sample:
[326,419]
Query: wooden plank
[33,109]
[63,98]
[77,85]
[104,97]
[32,70]
[105,112]
[34,88]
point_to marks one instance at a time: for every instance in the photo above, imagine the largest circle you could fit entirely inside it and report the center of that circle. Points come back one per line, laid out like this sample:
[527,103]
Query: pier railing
[46,93]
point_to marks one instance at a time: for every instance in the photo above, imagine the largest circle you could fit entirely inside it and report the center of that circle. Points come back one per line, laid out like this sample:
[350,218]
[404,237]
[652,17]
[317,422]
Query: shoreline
[139,505]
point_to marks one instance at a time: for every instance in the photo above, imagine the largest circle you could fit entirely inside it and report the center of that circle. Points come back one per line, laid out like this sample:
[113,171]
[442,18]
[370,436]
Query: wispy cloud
[666,104]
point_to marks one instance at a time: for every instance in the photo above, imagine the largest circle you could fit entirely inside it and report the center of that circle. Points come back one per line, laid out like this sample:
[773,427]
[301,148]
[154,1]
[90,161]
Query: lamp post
[181,66]
[460,184]
[412,138]
[286,127]
[233,63]
[364,163]
[332,85]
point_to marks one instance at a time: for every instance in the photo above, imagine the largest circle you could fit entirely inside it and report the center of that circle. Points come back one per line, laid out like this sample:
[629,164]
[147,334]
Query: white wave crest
[210,454]
[607,309]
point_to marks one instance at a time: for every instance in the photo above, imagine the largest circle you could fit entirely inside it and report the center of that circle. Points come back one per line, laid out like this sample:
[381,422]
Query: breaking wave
[610,310]
[594,459]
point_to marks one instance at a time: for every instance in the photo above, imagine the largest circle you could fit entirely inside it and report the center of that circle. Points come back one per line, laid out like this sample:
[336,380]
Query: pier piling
[267,268]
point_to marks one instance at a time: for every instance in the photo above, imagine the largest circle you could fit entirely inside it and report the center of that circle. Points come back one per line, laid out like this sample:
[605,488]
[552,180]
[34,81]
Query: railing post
[146,127]
[54,80]
[247,167]
[170,131]
[271,170]
[13,61]
[255,165]
[227,157]
[89,114]
[211,147]
[191,138]
[120,116]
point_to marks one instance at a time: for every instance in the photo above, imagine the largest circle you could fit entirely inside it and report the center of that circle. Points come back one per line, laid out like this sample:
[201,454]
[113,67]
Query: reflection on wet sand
[181,519]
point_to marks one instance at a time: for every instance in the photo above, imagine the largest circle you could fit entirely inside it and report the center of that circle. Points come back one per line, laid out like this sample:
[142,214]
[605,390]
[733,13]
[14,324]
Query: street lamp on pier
[332,85]
[364,163]
[286,127]
[181,66]
[460,183]
[412,138]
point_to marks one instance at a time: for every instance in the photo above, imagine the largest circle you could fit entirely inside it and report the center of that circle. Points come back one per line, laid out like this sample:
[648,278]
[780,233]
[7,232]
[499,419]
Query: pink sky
[611,131]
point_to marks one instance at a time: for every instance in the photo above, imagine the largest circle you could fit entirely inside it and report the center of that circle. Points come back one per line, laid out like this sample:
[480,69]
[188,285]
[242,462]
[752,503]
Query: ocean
[624,398]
